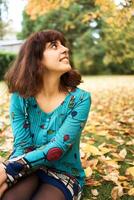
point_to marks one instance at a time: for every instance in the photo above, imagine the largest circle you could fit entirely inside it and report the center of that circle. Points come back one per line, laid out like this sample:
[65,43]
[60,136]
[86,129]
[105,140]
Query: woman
[48,113]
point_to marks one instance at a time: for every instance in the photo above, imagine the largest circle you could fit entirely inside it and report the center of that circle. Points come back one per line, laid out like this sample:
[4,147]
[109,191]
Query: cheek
[49,60]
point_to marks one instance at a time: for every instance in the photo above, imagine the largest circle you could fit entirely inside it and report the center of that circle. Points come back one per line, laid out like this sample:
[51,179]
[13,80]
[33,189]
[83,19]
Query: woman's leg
[23,190]
[49,192]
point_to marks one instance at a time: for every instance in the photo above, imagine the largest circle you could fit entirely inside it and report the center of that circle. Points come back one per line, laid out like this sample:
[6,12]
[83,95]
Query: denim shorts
[68,184]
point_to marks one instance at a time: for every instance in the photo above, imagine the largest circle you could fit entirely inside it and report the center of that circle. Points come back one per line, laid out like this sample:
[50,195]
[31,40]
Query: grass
[111,111]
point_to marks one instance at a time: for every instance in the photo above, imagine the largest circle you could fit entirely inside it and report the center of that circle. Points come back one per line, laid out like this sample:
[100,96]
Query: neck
[51,85]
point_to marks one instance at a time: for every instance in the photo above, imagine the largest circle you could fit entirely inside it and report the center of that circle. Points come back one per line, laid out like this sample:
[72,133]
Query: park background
[100,35]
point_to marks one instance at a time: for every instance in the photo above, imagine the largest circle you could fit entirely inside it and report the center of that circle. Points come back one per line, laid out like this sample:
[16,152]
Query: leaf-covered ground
[107,142]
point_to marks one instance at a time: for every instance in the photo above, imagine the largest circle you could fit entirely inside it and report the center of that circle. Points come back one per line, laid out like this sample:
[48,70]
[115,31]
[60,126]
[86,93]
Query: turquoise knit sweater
[51,139]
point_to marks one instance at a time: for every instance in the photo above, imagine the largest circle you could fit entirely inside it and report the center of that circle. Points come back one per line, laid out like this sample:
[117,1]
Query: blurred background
[100,32]
[100,36]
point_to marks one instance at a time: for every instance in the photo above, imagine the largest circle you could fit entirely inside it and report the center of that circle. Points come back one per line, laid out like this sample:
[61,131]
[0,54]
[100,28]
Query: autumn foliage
[36,8]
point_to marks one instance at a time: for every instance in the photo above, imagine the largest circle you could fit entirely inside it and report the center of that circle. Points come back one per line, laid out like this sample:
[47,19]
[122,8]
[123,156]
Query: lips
[64,58]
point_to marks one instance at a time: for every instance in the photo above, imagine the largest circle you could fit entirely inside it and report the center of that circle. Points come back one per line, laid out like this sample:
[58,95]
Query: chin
[66,64]
[67,69]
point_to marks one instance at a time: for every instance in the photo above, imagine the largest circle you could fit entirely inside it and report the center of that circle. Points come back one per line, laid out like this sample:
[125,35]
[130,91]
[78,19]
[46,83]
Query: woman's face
[56,57]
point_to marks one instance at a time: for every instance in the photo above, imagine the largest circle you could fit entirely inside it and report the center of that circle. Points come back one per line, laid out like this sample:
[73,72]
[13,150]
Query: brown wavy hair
[25,75]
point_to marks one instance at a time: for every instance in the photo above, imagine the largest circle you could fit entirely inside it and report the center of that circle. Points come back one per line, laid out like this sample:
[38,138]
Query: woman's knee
[23,190]
[48,191]
[8,195]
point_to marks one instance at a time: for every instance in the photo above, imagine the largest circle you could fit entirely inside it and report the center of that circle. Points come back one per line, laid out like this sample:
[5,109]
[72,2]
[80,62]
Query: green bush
[6,59]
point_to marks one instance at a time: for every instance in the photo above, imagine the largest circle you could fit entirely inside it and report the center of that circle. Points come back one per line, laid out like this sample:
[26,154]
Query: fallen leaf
[88,171]
[113,176]
[123,153]
[116,192]
[131,192]
[130,171]
[94,192]
[92,182]
[122,178]
[92,149]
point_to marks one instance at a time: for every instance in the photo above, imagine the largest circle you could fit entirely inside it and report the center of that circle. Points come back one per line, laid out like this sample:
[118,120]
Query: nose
[65,49]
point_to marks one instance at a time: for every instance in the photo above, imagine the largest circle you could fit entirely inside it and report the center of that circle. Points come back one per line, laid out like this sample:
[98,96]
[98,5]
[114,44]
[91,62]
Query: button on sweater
[50,139]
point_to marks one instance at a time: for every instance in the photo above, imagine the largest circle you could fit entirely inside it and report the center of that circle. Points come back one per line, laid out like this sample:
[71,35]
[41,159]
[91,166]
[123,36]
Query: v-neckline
[56,108]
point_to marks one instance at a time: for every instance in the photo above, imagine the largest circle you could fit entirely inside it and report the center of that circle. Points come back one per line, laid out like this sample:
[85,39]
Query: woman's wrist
[16,168]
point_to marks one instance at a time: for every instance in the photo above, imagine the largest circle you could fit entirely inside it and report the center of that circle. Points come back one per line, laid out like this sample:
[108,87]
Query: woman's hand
[3,188]
[3,177]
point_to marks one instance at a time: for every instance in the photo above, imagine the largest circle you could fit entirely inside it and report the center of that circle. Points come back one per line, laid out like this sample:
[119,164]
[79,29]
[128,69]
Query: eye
[54,45]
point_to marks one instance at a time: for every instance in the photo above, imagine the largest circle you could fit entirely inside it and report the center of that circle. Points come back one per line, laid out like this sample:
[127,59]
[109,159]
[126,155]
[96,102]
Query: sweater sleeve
[65,136]
[20,129]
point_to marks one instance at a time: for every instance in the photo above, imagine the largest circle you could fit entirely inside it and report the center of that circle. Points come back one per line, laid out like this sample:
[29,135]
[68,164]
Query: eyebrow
[54,41]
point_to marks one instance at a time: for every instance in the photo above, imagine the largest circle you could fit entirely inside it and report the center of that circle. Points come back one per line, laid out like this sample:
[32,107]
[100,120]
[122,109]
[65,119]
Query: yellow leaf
[102,132]
[82,154]
[88,171]
[123,153]
[104,150]
[130,171]
[126,185]
[131,192]
[109,162]
[113,176]
[122,178]
[116,192]
[117,156]
[92,149]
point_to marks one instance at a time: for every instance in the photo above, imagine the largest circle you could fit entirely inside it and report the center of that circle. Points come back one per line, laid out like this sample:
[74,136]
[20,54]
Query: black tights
[31,188]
